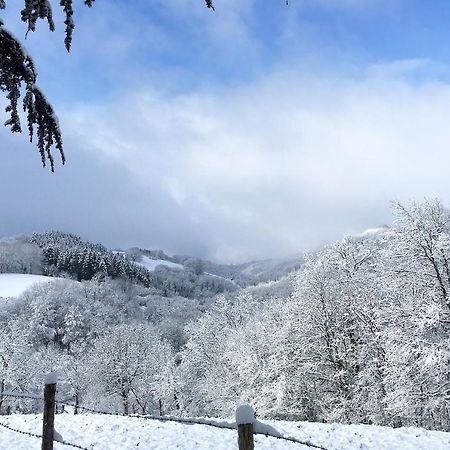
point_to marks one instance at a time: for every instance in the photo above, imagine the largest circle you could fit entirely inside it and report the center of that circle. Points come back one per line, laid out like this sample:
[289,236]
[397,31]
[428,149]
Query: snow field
[151,264]
[114,432]
[15,284]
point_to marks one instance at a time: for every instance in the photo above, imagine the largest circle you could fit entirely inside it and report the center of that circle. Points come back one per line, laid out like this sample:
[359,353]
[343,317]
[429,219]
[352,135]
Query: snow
[151,264]
[222,278]
[57,436]
[264,428]
[14,284]
[372,231]
[51,378]
[114,432]
[245,414]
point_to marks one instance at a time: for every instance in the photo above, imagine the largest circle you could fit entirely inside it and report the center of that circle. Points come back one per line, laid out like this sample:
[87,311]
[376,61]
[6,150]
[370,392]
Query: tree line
[61,254]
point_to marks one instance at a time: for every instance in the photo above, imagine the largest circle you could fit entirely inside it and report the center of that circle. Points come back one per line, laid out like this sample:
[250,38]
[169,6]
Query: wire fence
[21,396]
[183,420]
[191,421]
[27,433]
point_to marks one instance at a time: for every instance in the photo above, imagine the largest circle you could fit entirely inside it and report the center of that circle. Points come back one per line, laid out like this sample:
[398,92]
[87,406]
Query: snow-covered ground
[112,433]
[150,264]
[14,284]
[223,278]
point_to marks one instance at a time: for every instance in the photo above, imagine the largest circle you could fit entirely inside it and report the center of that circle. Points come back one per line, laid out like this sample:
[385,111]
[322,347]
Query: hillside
[112,433]
[152,264]
[56,253]
[15,284]
[243,274]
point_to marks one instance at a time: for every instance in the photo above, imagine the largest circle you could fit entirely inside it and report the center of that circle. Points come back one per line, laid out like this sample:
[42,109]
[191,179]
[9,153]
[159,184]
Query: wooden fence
[245,422]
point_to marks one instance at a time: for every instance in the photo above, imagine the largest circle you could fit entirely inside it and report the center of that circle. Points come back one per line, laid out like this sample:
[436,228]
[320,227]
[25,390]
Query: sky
[256,130]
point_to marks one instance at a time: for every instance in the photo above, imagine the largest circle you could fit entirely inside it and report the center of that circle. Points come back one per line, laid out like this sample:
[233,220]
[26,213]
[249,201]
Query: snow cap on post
[245,414]
[51,378]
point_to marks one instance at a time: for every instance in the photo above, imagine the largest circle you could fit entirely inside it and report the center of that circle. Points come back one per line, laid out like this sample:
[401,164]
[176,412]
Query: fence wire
[21,396]
[27,433]
[191,421]
[182,420]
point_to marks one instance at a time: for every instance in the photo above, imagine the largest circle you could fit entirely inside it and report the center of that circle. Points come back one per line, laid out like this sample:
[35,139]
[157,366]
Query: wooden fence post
[48,427]
[245,418]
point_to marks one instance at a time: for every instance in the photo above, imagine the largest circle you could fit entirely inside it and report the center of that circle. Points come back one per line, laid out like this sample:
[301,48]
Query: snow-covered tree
[232,356]
[131,365]
[359,334]
[333,335]
[416,315]
[20,256]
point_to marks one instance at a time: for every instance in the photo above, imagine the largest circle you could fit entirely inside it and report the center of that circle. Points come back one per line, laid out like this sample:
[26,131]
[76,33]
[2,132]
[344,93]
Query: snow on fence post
[48,427]
[245,418]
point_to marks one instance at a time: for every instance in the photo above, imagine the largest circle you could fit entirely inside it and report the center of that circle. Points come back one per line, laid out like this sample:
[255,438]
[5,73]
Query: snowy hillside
[151,264]
[242,274]
[112,433]
[14,284]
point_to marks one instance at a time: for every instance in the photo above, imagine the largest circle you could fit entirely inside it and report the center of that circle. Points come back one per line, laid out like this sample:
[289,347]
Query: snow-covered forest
[358,334]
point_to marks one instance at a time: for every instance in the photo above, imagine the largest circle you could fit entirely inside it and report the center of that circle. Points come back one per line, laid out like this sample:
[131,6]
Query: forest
[358,334]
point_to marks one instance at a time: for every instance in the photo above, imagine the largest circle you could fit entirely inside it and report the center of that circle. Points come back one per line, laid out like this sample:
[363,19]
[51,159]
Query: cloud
[285,163]
[192,131]
[344,4]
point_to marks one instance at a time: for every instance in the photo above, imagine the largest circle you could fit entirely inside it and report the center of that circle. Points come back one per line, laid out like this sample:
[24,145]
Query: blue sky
[194,47]
[256,130]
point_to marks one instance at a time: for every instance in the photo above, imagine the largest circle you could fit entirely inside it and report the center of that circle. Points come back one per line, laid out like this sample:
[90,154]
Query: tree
[417,313]
[132,364]
[17,71]
[195,265]
[333,336]
[20,256]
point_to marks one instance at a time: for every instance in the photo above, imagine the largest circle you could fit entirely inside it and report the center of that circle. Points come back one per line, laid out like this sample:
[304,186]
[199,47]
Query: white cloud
[344,4]
[285,163]
[258,168]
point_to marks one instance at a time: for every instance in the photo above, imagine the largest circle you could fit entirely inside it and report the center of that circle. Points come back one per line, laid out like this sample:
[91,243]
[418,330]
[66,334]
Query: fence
[246,424]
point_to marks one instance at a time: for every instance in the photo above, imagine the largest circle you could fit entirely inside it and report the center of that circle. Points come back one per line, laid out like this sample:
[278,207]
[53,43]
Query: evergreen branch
[37,9]
[17,70]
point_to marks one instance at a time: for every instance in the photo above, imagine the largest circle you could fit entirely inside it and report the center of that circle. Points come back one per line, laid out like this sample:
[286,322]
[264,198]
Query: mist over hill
[56,253]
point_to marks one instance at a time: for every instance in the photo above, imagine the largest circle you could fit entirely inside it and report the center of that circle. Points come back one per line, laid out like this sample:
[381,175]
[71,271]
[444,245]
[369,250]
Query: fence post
[245,418]
[48,427]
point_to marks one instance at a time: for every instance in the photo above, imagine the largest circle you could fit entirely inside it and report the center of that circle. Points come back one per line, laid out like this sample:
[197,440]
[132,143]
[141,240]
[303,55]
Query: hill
[15,284]
[243,274]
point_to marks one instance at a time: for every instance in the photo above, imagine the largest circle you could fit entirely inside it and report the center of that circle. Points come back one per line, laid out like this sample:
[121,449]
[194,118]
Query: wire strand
[183,420]
[25,396]
[27,433]
[191,421]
